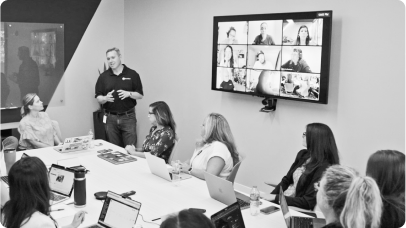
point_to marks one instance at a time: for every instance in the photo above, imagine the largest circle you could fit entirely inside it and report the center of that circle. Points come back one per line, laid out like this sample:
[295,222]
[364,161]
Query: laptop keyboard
[301,222]
[55,197]
[243,204]
[5,179]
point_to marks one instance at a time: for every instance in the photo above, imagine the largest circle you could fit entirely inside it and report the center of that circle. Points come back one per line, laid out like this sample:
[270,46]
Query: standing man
[117,90]
[27,77]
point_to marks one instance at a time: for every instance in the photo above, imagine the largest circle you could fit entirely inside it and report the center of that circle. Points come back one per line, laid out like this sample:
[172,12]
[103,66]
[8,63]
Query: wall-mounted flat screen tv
[283,55]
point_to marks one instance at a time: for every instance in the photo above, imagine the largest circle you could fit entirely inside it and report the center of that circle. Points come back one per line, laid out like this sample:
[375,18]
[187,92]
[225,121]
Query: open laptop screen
[229,217]
[119,212]
[61,179]
[284,207]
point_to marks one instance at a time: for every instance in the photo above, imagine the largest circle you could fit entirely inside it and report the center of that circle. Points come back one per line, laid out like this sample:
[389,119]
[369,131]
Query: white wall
[169,43]
[106,30]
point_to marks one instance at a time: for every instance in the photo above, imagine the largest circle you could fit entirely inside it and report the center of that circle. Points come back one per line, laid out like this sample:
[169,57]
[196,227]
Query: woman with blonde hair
[348,200]
[215,152]
[36,128]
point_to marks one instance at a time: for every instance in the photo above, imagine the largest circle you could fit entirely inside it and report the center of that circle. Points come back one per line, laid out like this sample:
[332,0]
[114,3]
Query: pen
[60,209]
[155,219]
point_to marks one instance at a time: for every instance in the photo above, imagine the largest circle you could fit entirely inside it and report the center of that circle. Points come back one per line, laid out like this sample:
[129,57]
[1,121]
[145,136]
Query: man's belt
[119,113]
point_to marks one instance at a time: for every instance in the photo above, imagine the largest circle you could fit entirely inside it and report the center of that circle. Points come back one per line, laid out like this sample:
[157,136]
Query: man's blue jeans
[121,130]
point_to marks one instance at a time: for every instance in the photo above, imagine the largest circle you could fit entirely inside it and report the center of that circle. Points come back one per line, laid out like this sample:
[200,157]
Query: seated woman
[29,197]
[36,128]
[216,152]
[387,167]
[308,167]
[162,134]
[187,219]
[348,200]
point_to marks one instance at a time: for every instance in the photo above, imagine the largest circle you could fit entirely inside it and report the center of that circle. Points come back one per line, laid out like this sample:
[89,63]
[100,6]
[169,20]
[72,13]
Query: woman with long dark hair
[215,152]
[29,197]
[309,165]
[162,134]
[228,60]
[187,219]
[303,37]
[387,167]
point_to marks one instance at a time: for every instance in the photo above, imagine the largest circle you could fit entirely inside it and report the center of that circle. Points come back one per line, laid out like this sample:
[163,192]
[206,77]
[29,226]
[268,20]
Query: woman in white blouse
[215,152]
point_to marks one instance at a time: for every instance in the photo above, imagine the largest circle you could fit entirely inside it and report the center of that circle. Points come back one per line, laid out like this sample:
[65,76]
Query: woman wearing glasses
[161,137]
[215,152]
[308,167]
[36,128]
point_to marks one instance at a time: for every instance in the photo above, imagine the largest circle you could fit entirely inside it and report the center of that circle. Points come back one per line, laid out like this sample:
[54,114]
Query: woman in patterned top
[309,165]
[161,137]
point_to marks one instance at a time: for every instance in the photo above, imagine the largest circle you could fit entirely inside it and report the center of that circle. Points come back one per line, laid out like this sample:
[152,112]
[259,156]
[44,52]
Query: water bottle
[80,188]
[176,173]
[254,204]
[91,145]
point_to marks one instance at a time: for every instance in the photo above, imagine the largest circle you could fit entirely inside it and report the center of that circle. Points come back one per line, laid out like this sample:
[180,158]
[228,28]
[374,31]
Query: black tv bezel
[325,52]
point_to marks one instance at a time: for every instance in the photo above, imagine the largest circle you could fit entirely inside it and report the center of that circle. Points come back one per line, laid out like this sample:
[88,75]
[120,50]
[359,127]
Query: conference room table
[159,197]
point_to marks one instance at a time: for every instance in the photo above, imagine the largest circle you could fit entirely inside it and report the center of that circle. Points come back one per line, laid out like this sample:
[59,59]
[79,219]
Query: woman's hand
[267,196]
[184,167]
[78,219]
[130,149]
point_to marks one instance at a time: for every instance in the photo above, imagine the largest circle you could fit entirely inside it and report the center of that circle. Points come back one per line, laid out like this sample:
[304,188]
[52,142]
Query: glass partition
[32,61]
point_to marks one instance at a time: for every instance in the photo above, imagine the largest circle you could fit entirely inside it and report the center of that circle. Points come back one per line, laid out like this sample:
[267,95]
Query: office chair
[10,142]
[176,141]
[234,171]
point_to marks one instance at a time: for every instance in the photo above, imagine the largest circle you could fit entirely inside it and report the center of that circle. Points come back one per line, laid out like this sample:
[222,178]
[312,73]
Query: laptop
[5,178]
[74,144]
[118,212]
[61,181]
[229,217]
[158,167]
[295,221]
[222,190]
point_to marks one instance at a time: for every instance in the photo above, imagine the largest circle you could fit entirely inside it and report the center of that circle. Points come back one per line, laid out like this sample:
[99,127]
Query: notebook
[229,217]
[222,190]
[118,212]
[74,144]
[61,181]
[158,167]
[116,157]
[5,178]
[298,222]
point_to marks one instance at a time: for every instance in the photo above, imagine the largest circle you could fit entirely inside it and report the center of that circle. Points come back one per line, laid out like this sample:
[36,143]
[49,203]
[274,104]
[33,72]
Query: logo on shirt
[126,78]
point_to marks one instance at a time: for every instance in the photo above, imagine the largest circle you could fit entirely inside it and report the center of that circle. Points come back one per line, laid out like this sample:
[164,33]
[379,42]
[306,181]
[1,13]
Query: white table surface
[157,196]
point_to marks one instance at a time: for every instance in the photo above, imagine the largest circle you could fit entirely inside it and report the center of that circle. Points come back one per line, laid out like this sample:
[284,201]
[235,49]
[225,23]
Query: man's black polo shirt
[128,80]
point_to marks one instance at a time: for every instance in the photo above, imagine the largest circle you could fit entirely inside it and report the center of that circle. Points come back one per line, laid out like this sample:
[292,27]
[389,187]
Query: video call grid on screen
[273,55]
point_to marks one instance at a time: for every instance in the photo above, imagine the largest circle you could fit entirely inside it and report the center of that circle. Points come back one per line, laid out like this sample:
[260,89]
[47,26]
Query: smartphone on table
[269,210]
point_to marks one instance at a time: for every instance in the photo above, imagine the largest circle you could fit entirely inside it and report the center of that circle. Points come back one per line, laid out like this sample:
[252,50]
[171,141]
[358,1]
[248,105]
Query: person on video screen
[228,59]
[296,63]
[303,37]
[263,38]
[227,83]
[231,37]
[261,62]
